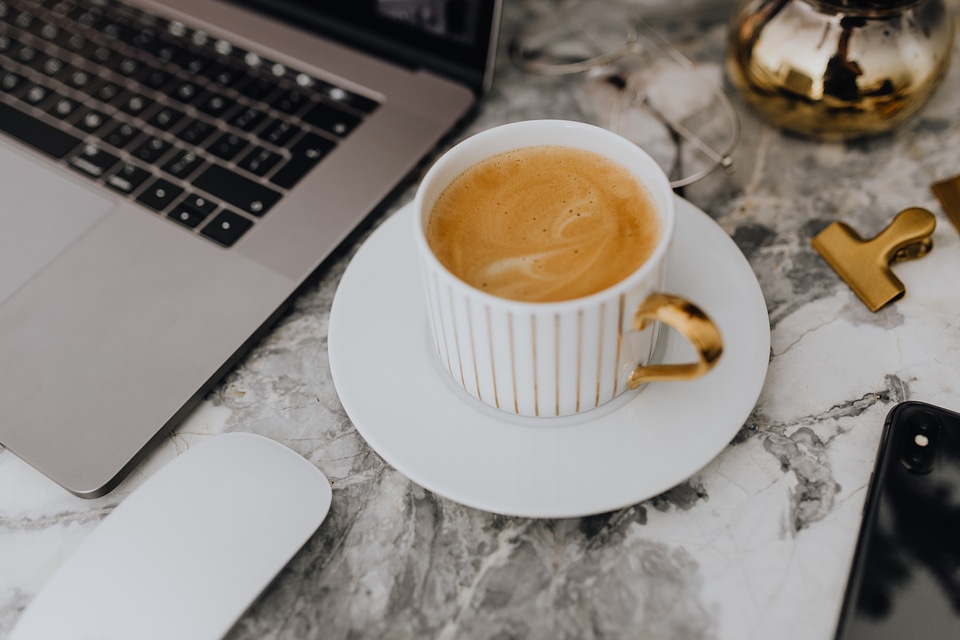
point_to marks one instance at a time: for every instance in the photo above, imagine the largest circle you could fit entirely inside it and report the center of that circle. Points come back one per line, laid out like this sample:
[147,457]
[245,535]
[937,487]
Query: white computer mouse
[188,551]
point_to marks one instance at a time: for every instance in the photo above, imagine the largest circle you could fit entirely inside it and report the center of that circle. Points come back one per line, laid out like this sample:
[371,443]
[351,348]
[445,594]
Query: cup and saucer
[404,404]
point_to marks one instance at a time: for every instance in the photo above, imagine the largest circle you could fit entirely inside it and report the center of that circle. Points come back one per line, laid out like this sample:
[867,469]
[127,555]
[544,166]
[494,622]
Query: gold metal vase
[839,69]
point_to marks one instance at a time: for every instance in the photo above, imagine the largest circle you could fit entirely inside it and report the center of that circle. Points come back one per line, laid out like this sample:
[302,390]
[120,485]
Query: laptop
[173,172]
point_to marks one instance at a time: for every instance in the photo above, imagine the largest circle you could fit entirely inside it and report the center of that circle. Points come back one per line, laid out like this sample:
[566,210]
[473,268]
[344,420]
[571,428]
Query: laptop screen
[450,37]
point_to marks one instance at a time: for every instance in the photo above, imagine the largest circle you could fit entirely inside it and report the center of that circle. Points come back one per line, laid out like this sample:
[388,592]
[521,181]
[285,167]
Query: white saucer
[621,454]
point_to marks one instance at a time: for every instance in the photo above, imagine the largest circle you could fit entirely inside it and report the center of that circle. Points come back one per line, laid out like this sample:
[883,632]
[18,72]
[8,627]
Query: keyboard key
[88,18]
[160,194]
[241,192]
[35,94]
[305,155]
[103,55]
[24,54]
[121,136]
[145,40]
[182,164]
[196,132]
[151,149]
[224,75]
[279,132]
[133,103]
[260,161]
[115,28]
[128,178]
[152,77]
[331,119]
[342,96]
[48,31]
[199,203]
[167,50]
[112,30]
[61,9]
[91,120]
[193,62]
[227,146]
[23,20]
[39,135]
[105,92]
[92,161]
[63,107]
[290,102]
[165,118]
[185,92]
[79,79]
[247,119]
[213,104]
[258,88]
[10,82]
[126,66]
[226,228]
[75,43]
[187,215]
[52,66]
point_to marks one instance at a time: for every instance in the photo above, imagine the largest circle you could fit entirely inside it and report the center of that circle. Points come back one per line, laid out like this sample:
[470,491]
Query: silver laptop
[172,172]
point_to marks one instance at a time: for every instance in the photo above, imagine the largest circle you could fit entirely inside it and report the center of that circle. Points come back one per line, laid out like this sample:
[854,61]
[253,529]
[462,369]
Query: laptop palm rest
[42,215]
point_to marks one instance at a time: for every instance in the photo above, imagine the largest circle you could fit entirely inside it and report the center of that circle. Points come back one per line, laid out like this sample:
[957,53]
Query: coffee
[544,223]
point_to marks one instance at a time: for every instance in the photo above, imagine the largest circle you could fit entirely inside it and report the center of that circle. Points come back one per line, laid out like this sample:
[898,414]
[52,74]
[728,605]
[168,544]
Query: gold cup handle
[689,321]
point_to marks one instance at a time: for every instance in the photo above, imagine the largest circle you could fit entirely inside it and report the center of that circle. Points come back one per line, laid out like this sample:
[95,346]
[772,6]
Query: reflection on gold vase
[839,69]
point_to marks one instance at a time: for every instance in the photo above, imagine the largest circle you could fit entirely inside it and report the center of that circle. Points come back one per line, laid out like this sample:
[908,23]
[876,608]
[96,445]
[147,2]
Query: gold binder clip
[865,264]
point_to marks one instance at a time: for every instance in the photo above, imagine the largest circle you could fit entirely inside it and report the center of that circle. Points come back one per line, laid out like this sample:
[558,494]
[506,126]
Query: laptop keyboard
[191,127]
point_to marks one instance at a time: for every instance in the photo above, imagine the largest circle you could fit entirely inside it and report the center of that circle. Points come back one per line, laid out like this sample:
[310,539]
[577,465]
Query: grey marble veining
[755,545]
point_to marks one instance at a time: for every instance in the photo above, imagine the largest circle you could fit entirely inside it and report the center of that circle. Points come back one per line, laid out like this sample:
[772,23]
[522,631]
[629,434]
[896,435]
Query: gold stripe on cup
[473,349]
[603,314]
[536,390]
[431,305]
[556,360]
[579,355]
[493,364]
[513,364]
[456,336]
[443,326]
[616,361]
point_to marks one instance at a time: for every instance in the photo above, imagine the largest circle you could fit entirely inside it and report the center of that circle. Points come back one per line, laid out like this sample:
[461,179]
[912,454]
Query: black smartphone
[905,578]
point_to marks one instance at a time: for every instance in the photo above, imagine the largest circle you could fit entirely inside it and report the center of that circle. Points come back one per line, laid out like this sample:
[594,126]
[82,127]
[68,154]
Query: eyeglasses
[663,102]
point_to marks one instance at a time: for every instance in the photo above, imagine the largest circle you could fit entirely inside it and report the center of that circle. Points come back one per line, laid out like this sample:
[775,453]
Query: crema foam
[542,224]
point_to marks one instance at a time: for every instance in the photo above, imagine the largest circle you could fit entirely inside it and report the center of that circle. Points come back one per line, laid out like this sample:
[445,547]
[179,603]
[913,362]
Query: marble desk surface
[755,545]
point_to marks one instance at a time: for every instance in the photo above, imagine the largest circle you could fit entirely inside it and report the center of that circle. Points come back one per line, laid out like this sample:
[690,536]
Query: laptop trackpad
[42,214]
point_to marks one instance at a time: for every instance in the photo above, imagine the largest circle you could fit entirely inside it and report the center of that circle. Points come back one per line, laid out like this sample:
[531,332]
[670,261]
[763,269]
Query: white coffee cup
[568,357]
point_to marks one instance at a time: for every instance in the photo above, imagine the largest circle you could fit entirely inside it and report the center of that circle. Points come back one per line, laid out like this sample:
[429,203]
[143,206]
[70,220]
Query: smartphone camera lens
[919,445]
